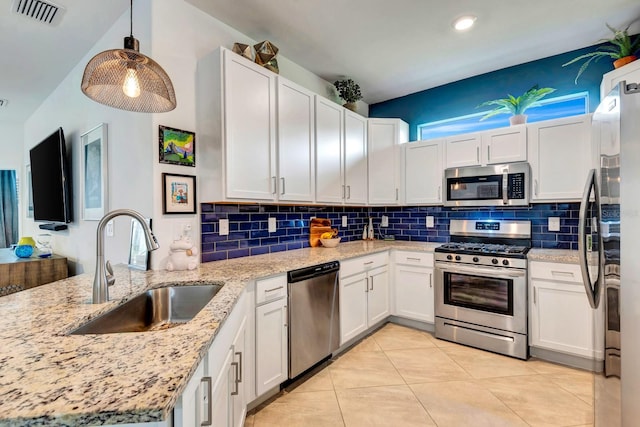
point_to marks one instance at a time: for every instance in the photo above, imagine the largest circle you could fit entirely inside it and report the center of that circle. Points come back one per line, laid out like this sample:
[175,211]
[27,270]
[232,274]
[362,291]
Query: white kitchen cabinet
[413,285]
[629,73]
[217,391]
[423,172]
[505,145]
[249,129]
[560,157]
[463,150]
[364,294]
[296,142]
[561,318]
[329,169]
[355,158]
[271,333]
[384,160]
[495,146]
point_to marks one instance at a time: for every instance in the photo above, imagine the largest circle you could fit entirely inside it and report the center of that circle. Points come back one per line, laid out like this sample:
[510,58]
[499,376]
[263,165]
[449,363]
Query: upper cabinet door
[505,145]
[385,137]
[463,150]
[355,158]
[329,132]
[560,157]
[249,129]
[423,172]
[296,180]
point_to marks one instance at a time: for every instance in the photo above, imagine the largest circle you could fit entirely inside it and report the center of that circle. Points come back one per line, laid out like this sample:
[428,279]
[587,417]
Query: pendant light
[128,80]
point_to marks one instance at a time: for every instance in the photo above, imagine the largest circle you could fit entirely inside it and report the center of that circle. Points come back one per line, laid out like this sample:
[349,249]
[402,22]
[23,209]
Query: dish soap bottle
[370,235]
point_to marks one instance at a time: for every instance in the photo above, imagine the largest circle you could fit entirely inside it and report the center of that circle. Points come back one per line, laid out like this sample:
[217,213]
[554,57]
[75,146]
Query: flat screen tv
[50,180]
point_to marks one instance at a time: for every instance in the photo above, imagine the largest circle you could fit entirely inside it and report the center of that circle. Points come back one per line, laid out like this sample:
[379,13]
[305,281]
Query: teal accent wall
[462,97]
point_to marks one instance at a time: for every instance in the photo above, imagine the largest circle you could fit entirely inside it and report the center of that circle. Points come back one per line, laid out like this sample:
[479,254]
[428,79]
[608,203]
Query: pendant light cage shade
[105,81]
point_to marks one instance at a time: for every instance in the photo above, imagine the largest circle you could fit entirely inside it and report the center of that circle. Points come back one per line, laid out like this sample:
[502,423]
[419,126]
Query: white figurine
[183,255]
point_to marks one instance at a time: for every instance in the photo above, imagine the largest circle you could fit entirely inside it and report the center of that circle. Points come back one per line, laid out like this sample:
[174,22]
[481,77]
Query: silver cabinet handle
[344,191]
[274,289]
[239,354]
[237,390]
[275,185]
[209,420]
[286,316]
[535,293]
[413,259]
[371,288]
[282,189]
[439,192]
[535,187]
[396,194]
[478,154]
[430,278]
[348,192]
[488,153]
[366,285]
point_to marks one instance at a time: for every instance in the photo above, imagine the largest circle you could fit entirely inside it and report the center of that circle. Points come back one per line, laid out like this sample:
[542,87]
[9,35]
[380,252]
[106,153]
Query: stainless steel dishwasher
[314,315]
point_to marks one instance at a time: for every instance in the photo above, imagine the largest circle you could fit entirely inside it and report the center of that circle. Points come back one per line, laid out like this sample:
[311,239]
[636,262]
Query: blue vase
[23,251]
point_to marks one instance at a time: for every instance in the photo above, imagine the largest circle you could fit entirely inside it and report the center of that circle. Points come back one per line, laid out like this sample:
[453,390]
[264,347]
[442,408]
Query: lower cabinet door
[271,345]
[353,306]
[193,402]
[414,293]
[239,394]
[221,398]
[378,307]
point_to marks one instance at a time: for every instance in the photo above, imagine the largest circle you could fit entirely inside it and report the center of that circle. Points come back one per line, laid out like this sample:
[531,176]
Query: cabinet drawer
[360,264]
[271,289]
[555,271]
[423,259]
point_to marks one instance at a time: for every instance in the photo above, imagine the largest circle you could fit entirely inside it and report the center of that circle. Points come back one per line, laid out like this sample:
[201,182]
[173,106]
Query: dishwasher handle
[306,273]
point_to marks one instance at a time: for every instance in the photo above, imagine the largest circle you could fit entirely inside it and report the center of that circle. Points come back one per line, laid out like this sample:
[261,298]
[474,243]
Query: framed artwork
[179,194]
[177,147]
[94,183]
[138,253]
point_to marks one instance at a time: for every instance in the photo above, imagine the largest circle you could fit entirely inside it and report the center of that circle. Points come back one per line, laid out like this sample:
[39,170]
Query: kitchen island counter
[48,377]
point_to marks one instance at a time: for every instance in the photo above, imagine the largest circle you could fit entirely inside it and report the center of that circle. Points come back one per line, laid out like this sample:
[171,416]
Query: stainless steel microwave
[496,185]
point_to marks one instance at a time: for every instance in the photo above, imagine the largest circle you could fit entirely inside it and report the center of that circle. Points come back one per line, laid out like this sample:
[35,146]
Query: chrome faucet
[104,273]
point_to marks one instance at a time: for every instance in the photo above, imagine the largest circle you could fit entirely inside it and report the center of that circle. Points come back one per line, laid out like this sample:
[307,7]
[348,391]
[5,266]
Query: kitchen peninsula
[48,377]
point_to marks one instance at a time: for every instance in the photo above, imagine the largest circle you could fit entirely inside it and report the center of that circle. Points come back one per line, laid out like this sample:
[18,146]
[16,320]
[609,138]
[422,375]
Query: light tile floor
[403,377]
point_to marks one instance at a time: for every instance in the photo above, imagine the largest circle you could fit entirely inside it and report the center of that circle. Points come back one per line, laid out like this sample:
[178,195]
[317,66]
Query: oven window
[490,294]
[475,188]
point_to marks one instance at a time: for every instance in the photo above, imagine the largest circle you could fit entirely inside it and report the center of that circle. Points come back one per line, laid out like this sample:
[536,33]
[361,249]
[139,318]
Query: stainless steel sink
[156,309]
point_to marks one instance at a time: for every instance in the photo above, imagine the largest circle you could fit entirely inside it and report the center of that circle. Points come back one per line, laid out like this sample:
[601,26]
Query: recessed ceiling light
[464,22]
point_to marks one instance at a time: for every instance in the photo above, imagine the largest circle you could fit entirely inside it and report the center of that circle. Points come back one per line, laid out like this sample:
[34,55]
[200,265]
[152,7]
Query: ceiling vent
[45,12]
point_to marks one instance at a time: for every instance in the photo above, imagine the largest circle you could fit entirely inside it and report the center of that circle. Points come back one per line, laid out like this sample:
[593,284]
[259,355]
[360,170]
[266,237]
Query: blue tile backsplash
[249,235]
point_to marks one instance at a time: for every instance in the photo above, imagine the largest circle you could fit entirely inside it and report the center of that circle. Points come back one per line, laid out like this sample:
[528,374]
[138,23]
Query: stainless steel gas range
[481,285]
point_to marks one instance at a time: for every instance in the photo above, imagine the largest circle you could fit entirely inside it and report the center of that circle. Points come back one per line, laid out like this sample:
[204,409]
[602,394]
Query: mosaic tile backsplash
[249,235]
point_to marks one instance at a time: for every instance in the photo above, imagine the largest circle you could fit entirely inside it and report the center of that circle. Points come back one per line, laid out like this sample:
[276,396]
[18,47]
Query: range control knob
[494,261]
[476,259]
[458,257]
[505,262]
[449,257]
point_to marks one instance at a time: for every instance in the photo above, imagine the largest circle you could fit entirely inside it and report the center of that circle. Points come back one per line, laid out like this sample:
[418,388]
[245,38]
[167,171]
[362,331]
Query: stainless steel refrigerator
[608,245]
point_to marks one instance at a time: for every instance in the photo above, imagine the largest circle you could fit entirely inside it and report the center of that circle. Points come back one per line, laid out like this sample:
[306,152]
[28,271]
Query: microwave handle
[505,186]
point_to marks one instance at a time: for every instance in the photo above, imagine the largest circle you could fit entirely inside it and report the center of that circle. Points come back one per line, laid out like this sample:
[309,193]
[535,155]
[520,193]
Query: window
[552,108]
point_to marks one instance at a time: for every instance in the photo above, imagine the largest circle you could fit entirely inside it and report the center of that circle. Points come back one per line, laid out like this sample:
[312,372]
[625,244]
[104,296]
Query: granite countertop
[50,378]
[566,256]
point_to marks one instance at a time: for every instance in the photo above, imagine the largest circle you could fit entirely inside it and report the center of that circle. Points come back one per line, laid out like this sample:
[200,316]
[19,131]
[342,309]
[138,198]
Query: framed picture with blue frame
[177,147]
[178,194]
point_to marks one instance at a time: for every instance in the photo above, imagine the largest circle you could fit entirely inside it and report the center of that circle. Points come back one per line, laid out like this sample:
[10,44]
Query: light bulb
[464,23]
[131,86]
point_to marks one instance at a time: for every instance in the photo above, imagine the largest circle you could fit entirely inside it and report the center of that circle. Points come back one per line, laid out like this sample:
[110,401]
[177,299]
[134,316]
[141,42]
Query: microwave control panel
[516,186]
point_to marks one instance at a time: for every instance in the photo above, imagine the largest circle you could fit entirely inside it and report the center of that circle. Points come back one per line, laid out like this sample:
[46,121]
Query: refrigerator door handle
[592,289]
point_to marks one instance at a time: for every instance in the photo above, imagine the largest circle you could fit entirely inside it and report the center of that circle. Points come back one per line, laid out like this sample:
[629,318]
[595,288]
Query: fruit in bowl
[330,242]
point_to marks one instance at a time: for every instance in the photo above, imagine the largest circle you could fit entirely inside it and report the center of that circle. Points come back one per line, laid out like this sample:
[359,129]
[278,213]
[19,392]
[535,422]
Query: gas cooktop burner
[483,249]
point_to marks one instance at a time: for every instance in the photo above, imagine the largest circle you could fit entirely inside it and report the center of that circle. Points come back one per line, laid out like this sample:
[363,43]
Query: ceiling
[391,48]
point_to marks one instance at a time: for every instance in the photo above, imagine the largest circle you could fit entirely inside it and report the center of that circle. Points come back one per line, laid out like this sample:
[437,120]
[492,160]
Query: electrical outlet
[430,221]
[110,228]
[554,223]
[344,220]
[272,225]
[384,222]
[224,227]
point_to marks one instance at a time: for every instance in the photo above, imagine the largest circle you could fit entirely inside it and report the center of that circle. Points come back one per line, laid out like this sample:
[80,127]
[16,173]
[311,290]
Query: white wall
[11,143]
[176,35]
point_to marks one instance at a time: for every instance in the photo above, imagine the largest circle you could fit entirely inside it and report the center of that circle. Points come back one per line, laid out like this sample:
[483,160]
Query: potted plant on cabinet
[621,49]
[349,91]
[517,106]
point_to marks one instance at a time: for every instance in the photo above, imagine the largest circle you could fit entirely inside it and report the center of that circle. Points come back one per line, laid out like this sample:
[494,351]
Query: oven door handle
[495,272]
